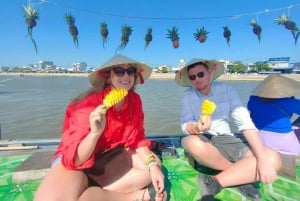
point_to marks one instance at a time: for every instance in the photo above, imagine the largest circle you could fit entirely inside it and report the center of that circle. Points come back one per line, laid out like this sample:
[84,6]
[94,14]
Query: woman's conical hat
[277,86]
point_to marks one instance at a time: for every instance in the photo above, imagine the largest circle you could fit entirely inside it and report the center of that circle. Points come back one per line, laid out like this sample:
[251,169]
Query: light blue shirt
[228,105]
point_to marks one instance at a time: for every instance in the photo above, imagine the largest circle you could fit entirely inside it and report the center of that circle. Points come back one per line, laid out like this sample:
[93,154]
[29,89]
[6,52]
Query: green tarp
[181,183]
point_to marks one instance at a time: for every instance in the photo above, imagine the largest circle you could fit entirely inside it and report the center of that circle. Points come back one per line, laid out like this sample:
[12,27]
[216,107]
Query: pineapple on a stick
[207,108]
[113,97]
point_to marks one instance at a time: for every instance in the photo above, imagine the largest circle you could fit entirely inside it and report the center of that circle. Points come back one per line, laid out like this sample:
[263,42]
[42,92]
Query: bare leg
[61,184]
[96,194]
[205,153]
[235,174]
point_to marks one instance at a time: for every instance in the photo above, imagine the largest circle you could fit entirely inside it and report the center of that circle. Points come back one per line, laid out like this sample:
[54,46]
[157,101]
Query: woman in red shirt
[89,130]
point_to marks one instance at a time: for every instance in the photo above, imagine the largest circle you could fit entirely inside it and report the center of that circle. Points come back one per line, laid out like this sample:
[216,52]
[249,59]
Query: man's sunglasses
[120,72]
[193,77]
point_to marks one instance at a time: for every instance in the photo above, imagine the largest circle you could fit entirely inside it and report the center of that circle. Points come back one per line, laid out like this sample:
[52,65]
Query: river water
[33,107]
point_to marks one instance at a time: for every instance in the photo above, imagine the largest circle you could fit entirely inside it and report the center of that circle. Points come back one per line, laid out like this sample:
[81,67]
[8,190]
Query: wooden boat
[24,163]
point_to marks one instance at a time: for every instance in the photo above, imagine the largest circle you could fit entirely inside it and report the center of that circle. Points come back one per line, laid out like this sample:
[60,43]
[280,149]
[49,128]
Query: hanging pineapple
[256,29]
[227,34]
[201,35]
[289,25]
[72,28]
[31,16]
[126,32]
[148,37]
[173,35]
[104,32]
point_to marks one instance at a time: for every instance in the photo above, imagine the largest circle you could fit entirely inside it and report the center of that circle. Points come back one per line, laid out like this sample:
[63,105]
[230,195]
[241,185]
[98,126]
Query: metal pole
[0,133]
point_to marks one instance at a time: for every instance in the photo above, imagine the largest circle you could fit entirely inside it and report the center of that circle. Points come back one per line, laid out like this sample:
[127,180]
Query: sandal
[151,191]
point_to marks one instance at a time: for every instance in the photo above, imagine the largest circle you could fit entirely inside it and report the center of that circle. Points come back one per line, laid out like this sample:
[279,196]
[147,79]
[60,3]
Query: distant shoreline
[228,77]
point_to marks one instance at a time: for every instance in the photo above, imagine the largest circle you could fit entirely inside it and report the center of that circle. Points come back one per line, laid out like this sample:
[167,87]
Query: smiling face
[123,76]
[201,77]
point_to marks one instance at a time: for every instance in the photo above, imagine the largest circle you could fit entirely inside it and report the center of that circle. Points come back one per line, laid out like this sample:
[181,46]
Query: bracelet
[149,158]
[152,163]
[195,128]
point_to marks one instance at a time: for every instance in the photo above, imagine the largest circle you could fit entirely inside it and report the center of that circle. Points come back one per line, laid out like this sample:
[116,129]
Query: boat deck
[180,171]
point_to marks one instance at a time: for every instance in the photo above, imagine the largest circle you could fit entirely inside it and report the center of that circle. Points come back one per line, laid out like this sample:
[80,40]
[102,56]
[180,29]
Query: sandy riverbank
[160,75]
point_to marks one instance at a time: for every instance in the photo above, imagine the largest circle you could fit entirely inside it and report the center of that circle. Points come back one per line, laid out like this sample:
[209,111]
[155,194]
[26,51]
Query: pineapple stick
[207,108]
[113,97]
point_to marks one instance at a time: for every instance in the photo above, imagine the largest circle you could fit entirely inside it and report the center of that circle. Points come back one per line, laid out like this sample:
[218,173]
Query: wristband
[152,163]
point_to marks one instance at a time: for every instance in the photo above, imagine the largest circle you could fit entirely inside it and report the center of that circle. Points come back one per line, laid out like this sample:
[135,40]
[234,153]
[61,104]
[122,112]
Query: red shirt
[122,127]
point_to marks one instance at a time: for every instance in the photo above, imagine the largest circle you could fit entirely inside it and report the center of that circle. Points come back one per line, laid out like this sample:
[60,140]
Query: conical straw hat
[277,86]
[143,70]
[182,78]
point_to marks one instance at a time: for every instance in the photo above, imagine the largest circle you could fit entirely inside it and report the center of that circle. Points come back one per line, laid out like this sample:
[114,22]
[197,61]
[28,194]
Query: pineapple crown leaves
[31,15]
[104,32]
[227,34]
[148,37]
[173,33]
[287,22]
[126,32]
[201,32]
[70,19]
[256,29]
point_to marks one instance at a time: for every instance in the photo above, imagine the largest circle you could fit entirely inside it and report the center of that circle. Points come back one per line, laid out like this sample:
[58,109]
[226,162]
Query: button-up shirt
[228,105]
[125,126]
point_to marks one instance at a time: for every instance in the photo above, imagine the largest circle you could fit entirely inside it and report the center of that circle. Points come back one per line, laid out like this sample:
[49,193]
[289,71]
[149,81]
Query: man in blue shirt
[212,143]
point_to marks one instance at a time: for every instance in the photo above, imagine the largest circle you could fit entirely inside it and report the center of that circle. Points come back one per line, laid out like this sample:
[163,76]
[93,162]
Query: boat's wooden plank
[34,167]
[47,141]
[18,147]
[30,175]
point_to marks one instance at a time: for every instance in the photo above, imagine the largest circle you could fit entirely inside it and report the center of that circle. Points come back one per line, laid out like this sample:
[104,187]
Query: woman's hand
[158,178]
[98,120]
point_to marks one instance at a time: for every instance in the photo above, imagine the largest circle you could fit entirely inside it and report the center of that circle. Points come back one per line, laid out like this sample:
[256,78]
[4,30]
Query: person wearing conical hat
[272,105]
[103,153]
[240,160]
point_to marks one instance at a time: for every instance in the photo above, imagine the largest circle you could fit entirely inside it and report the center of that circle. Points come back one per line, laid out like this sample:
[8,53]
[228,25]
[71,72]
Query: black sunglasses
[120,72]
[193,77]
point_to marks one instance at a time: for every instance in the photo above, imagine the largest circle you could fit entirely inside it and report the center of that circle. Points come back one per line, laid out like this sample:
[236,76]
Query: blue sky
[55,43]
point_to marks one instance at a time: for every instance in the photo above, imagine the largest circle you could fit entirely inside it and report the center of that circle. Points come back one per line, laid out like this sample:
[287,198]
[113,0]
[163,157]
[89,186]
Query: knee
[192,144]
[275,158]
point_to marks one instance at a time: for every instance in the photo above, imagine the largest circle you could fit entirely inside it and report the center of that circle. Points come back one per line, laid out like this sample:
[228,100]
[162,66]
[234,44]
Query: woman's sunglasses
[193,77]
[120,72]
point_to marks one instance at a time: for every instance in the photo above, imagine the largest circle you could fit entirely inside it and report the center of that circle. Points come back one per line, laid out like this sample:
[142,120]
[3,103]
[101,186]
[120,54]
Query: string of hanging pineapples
[32,15]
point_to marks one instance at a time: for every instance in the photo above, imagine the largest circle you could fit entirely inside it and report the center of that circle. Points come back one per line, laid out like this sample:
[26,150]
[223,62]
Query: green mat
[181,183]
